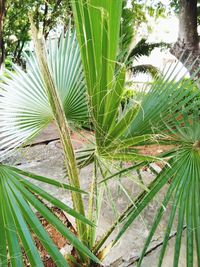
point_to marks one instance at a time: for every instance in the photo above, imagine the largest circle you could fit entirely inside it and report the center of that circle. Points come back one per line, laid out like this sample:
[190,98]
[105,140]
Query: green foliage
[32,104]
[135,13]
[182,194]
[151,121]
[20,86]
[104,85]
[55,88]
[8,63]
[132,17]
[16,29]
[18,222]
[128,94]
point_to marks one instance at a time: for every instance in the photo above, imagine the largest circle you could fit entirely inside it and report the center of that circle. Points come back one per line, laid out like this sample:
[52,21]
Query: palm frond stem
[63,128]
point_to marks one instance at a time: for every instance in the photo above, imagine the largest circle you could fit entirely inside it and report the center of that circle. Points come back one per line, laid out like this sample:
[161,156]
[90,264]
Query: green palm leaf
[18,221]
[143,48]
[182,194]
[162,103]
[99,43]
[24,104]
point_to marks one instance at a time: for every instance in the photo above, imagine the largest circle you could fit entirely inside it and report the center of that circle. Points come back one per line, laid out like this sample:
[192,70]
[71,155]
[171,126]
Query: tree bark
[186,49]
[2,47]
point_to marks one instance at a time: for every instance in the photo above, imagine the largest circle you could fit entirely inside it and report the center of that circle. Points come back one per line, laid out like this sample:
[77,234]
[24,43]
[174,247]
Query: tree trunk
[187,44]
[2,47]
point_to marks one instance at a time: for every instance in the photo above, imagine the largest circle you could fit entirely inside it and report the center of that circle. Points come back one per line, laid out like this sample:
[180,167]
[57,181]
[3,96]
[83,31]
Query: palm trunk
[186,49]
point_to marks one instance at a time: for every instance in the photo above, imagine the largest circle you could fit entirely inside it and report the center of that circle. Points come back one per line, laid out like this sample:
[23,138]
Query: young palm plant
[55,88]
[151,121]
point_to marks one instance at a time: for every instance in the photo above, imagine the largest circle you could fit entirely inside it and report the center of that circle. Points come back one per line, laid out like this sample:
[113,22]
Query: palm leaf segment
[24,107]
[164,101]
[99,45]
[182,196]
[18,222]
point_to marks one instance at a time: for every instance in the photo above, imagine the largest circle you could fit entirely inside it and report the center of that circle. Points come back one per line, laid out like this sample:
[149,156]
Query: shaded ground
[44,157]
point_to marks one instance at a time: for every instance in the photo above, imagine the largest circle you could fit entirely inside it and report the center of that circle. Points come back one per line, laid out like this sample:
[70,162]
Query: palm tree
[164,115]
[59,87]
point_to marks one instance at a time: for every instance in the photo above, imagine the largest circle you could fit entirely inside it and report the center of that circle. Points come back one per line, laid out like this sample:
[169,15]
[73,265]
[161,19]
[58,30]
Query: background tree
[51,13]
[2,14]
[130,50]
[188,39]
[47,15]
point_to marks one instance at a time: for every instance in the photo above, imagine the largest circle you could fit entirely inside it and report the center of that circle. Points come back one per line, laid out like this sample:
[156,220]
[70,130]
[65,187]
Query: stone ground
[44,157]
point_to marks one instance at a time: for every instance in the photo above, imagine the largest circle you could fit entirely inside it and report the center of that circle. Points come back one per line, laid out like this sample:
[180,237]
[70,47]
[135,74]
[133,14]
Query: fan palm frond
[18,222]
[105,85]
[182,194]
[24,107]
[164,101]
[98,56]
[166,104]
[66,66]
